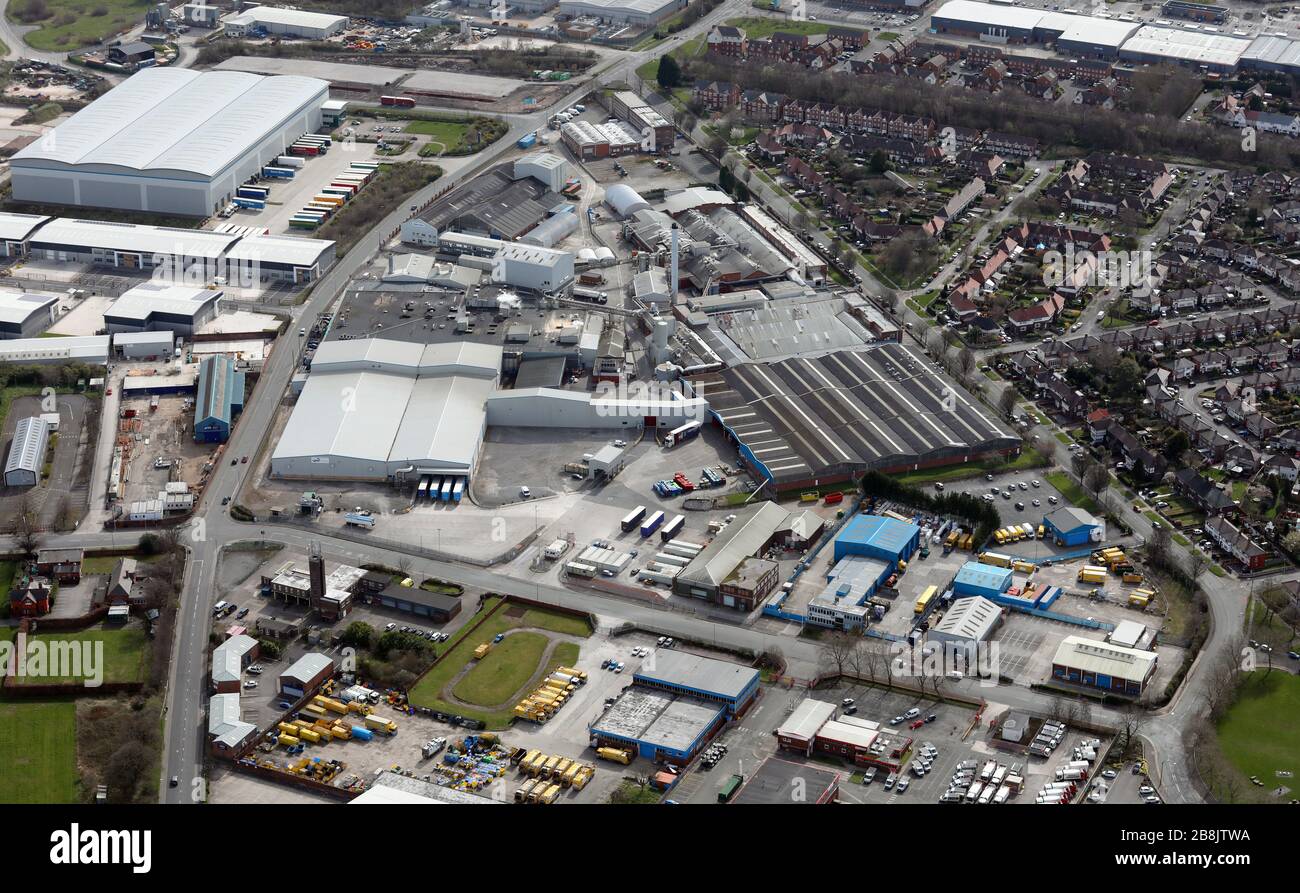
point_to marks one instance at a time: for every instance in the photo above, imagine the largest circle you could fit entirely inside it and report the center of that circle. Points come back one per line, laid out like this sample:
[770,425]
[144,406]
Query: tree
[837,650]
[358,634]
[125,769]
[27,531]
[1175,446]
[670,73]
[1096,478]
[1007,400]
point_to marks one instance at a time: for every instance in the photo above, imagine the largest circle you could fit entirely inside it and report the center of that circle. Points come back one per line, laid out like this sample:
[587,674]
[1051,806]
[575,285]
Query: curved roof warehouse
[169,140]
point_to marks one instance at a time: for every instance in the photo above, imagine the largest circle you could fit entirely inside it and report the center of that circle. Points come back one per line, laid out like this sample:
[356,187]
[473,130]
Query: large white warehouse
[374,409]
[286,23]
[169,140]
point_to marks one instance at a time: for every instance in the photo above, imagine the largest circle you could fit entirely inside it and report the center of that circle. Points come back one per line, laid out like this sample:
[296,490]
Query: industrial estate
[652,401]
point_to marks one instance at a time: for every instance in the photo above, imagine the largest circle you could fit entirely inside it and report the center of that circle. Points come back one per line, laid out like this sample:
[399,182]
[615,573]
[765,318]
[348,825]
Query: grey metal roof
[851,410]
[740,539]
[699,673]
[175,119]
[27,452]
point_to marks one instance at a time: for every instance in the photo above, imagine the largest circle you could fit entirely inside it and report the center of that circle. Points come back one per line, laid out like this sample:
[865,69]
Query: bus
[672,528]
[926,597]
[683,433]
[651,524]
[633,518]
[404,102]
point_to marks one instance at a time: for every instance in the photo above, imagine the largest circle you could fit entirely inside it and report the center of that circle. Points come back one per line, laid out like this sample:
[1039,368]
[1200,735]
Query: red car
[916,724]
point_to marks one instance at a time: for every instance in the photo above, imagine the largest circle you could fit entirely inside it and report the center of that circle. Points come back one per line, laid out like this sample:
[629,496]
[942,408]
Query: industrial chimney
[672,284]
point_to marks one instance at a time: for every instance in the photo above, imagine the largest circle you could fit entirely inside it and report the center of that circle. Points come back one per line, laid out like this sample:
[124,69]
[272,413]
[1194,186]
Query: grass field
[1259,735]
[125,655]
[1072,491]
[72,24]
[758,27]
[503,672]
[429,690]
[38,743]
[1026,460]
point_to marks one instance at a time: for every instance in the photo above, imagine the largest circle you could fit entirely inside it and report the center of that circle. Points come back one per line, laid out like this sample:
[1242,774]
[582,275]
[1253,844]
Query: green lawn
[428,691]
[758,27]
[72,24]
[38,742]
[125,654]
[501,674]
[1026,460]
[1260,734]
[1072,491]
[448,137]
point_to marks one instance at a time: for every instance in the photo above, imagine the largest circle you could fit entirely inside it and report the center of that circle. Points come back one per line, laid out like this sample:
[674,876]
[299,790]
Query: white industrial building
[631,12]
[545,167]
[375,409]
[25,315]
[128,246]
[260,258]
[966,624]
[142,345]
[158,307]
[558,408]
[1154,44]
[624,200]
[532,267]
[169,140]
[27,452]
[15,230]
[286,23]
[552,231]
[89,349]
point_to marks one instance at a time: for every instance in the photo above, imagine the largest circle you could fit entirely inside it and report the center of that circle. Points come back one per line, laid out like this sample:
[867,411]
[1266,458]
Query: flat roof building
[984,580]
[749,534]
[704,677]
[89,349]
[659,725]
[286,23]
[779,782]
[169,140]
[632,12]
[154,307]
[25,315]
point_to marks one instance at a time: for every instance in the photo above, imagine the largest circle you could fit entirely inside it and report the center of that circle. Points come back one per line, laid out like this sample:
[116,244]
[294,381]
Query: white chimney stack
[672,293]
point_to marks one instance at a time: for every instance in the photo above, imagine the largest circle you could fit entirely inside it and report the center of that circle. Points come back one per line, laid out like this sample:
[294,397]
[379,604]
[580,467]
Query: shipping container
[729,789]
[289,161]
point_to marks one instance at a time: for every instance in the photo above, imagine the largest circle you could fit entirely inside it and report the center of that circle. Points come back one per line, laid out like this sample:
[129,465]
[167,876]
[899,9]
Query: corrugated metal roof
[27,452]
[135,238]
[17,227]
[283,250]
[16,307]
[969,618]
[141,303]
[175,119]
[1091,656]
[698,673]
[294,18]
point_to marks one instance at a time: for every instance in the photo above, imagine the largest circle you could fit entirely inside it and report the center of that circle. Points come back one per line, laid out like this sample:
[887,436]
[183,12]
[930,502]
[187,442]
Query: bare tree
[836,649]
[27,530]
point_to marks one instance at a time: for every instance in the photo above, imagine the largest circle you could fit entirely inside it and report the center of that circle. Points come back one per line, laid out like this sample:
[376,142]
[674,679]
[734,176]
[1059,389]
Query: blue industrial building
[876,536]
[1070,526]
[981,579]
[220,398]
[673,710]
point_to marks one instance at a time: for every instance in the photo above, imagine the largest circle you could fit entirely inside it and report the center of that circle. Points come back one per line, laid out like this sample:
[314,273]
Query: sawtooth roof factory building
[170,141]
[374,410]
[808,421]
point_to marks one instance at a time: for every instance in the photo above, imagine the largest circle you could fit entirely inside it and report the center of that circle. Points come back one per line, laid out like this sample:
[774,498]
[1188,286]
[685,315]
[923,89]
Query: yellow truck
[1138,601]
[548,768]
[1042,531]
[331,705]
[1090,573]
[584,775]
[527,758]
[560,768]
[571,773]
[968,542]
[996,559]
[548,796]
[1022,567]
[615,755]
[481,651]
[309,735]
[534,767]
[1132,578]
[951,540]
[381,725]
[525,790]
[573,671]
[1000,535]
